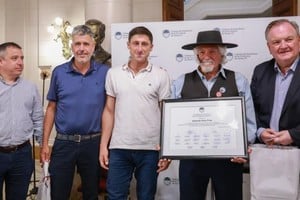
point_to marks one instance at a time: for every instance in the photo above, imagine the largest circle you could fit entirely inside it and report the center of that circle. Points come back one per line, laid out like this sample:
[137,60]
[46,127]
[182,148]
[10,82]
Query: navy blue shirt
[79,98]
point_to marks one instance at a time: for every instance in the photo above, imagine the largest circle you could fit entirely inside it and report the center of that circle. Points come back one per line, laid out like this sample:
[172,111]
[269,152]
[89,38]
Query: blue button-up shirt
[243,89]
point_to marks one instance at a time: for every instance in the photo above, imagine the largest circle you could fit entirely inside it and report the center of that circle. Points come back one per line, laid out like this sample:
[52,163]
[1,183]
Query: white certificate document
[204,128]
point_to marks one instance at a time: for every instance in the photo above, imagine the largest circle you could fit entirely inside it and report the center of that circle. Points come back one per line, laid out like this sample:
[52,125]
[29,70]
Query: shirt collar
[3,81]
[292,67]
[71,68]
[148,68]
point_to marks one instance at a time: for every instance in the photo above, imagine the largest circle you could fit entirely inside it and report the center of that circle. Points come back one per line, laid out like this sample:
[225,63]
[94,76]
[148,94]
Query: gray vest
[193,86]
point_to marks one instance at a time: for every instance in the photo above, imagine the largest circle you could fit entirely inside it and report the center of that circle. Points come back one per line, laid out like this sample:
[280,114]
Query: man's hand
[44,154]
[239,159]
[163,164]
[283,138]
[103,158]
[268,135]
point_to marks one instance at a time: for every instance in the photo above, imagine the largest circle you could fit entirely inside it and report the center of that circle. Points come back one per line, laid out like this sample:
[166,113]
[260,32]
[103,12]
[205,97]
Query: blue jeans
[65,156]
[16,170]
[122,164]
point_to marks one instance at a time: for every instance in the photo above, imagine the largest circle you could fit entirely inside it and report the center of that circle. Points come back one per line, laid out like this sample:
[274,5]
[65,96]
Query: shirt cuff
[259,132]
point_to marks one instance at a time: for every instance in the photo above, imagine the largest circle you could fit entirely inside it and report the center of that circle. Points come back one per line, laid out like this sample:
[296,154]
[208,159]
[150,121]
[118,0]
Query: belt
[13,148]
[76,137]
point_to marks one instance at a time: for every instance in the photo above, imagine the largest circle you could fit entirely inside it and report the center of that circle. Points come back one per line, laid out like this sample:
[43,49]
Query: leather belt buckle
[13,149]
[77,138]
[10,149]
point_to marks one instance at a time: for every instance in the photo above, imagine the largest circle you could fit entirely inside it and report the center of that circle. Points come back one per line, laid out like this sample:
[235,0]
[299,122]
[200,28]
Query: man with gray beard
[210,79]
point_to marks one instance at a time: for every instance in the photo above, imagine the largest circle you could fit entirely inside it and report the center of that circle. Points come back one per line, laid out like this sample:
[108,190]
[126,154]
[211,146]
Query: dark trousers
[15,170]
[65,156]
[227,179]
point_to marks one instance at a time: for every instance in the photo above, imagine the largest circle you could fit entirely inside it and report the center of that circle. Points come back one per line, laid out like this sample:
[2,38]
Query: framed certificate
[203,128]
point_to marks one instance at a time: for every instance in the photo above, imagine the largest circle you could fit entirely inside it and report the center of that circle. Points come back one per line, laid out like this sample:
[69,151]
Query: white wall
[2,21]
[18,23]
[50,52]
[146,10]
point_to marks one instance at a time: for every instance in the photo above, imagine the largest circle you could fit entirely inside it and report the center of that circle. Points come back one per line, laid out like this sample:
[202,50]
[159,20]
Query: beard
[206,66]
[206,69]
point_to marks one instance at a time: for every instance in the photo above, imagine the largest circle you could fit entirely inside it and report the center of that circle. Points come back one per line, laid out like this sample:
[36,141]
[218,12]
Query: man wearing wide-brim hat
[211,79]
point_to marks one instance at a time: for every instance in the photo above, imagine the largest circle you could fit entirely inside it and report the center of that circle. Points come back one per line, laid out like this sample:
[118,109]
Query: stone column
[108,12]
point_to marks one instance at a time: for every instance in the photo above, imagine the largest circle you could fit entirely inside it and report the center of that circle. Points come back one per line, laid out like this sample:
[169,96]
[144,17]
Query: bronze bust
[98,28]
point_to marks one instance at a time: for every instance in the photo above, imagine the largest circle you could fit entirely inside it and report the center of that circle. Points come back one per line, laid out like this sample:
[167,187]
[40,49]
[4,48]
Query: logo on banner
[169,181]
[229,56]
[118,35]
[179,57]
[201,109]
[166,33]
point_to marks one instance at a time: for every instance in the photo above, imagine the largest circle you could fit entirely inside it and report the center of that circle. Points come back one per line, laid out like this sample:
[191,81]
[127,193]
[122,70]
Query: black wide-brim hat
[208,38]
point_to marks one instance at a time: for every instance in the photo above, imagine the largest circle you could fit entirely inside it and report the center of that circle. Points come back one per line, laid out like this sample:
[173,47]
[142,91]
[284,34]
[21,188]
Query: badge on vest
[221,91]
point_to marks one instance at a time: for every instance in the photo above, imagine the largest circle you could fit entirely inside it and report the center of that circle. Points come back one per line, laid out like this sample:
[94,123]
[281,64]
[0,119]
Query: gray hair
[222,50]
[82,30]
[278,22]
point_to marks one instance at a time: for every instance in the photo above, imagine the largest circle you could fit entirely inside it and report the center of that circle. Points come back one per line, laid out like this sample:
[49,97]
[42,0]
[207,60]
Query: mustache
[206,62]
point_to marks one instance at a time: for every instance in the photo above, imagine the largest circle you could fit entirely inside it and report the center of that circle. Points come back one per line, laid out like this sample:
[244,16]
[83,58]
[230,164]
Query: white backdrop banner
[168,37]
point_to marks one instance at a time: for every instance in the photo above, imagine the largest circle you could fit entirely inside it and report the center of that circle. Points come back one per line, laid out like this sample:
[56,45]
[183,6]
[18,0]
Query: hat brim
[193,45]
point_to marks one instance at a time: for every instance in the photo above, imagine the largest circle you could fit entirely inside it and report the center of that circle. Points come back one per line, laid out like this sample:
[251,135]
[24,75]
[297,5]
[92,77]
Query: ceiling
[217,9]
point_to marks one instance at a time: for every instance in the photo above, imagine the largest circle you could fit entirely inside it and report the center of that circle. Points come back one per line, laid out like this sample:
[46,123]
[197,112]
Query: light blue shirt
[243,89]
[21,112]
